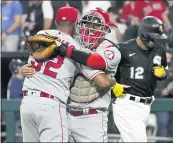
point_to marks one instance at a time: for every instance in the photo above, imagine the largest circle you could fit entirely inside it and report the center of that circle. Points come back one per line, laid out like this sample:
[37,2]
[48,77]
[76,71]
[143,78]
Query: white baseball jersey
[112,58]
[53,76]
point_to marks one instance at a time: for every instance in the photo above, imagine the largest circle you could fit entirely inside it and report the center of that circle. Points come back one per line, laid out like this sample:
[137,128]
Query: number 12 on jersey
[136,72]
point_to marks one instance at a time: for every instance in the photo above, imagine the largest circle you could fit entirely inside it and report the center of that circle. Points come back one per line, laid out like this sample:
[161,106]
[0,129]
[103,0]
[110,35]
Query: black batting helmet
[15,64]
[151,28]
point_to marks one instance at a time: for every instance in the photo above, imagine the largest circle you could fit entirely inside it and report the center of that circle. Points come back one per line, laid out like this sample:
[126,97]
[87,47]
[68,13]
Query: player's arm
[112,57]
[92,60]
[104,81]
[27,70]
[41,52]
[101,79]
[102,60]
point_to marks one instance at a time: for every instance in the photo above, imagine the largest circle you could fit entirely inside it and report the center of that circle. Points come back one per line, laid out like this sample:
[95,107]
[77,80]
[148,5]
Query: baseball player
[55,78]
[43,108]
[142,63]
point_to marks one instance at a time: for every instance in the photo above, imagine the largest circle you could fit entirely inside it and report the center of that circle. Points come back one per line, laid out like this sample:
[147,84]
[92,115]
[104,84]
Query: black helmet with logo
[151,28]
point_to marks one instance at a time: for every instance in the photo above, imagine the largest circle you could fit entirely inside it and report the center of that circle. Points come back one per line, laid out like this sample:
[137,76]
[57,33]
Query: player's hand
[118,90]
[159,71]
[27,70]
[61,48]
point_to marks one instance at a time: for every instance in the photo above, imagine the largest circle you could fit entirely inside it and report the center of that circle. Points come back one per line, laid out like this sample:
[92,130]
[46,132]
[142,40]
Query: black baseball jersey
[136,67]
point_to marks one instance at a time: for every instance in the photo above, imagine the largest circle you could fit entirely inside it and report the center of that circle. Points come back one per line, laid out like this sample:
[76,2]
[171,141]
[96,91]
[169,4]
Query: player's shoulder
[127,45]
[53,32]
[66,38]
[50,32]
[107,43]
[69,40]
[159,49]
[109,50]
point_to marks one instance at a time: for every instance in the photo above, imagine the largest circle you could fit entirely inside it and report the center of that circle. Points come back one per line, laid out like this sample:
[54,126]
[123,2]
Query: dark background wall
[6,57]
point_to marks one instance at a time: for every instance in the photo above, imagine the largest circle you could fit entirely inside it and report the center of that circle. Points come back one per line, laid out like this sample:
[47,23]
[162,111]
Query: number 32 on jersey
[49,66]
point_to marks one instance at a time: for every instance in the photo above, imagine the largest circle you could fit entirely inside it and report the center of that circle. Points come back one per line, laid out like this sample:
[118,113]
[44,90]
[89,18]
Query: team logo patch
[161,29]
[109,54]
[157,60]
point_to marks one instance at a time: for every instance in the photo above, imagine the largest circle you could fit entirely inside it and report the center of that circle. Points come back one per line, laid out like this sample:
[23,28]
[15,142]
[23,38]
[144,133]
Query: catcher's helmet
[151,28]
[92,27]
[15,64]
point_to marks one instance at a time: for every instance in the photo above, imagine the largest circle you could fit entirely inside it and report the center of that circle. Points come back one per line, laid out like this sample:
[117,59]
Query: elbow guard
[91,60]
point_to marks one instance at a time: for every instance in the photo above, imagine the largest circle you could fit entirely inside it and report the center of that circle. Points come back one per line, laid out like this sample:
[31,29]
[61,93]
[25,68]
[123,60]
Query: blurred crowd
[23,18]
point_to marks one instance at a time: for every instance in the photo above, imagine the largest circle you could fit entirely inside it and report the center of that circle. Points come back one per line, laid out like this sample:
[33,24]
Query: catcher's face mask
[91,29]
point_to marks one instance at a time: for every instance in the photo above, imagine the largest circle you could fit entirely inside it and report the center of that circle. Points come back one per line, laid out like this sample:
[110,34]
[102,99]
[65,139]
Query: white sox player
[132,111]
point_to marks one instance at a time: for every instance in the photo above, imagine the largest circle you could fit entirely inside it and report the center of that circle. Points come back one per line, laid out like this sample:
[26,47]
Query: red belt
[80,113]
[42,94]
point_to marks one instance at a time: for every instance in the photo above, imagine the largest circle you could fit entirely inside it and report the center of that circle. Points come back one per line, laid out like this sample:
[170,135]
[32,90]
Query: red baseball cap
[66,13]
[105,16]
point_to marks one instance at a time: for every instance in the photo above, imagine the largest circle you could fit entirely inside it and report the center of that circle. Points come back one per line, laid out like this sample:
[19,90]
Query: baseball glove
[42,46]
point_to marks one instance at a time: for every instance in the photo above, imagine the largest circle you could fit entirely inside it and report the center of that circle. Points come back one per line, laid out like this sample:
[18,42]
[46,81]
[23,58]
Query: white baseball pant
[88,128]
[131,117]
[43,119]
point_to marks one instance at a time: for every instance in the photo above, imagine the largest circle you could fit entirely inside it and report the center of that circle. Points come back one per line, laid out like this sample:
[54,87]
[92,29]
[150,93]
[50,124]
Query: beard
[149,44]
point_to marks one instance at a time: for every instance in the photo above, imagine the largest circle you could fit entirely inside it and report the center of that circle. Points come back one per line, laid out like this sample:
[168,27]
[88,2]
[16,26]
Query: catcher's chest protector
[84,90]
